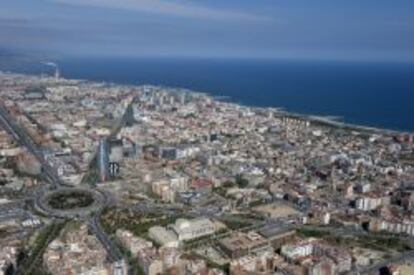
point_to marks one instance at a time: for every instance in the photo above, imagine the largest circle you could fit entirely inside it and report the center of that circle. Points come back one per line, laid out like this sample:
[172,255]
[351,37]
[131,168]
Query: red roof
[201,183]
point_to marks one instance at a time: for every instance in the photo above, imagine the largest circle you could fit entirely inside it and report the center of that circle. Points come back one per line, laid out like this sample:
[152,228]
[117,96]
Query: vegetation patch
[132,260]
[374,241]
[70,200]
[30,260]
[134,221]
[407,159]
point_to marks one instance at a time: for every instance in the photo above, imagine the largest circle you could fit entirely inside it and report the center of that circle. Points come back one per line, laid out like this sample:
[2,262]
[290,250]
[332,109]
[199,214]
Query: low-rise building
[260,264]
[150,262]
[163,236]
[8,257]
[278,236]
[367,203]
[298,250]
[76,252]
[244,244]
[132,243]
[192,229]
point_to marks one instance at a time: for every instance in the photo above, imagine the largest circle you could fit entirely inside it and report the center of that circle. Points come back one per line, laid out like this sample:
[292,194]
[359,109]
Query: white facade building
[192,229]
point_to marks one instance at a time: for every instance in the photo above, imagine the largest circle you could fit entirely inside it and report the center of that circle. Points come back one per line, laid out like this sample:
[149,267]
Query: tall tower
[57,73]
[129,116]
[102,159]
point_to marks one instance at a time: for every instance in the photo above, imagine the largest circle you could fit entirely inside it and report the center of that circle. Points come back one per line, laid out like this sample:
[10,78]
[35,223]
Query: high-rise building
[57,73]
[129,116]
[102,159]
[120,268]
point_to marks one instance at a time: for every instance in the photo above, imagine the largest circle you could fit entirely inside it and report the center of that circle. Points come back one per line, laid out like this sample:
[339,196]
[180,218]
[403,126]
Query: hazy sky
[331,29]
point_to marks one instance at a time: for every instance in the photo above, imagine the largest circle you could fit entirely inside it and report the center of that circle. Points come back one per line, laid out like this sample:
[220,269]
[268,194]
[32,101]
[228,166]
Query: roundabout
[76,202]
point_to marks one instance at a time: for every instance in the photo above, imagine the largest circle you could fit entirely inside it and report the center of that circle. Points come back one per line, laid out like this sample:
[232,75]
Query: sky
[316,29]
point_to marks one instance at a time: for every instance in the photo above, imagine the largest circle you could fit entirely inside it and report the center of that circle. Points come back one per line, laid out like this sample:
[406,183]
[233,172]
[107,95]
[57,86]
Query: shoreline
[329,121]
[349,126]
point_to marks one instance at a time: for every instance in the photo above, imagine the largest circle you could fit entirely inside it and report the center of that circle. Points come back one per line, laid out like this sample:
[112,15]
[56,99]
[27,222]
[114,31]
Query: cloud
[167,7]
[9,22]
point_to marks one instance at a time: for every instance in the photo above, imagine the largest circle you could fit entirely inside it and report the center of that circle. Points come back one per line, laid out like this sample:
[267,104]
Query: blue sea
[364,93]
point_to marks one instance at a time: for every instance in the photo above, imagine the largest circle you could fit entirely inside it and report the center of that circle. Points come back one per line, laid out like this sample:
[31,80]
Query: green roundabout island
[71,199]
[70,202]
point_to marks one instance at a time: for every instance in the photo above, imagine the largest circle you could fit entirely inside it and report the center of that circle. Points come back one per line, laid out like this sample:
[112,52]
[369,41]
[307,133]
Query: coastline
[329,121]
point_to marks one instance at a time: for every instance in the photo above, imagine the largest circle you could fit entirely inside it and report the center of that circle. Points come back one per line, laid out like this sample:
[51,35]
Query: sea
[375,94]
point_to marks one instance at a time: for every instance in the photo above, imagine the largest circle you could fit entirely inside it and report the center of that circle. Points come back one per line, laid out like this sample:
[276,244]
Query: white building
[368,203]
[168,187]
[132,243]
[192,229]
[298,250]
[120,268]
[163,236]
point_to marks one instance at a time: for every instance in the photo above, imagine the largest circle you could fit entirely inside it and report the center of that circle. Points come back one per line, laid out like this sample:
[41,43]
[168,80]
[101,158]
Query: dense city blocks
[98,178]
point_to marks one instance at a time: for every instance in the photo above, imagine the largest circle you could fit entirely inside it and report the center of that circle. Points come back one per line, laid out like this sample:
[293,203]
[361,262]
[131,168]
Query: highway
[20,135]
[30,263]
[49,174]
[112,250]
[114,253]
[13,210]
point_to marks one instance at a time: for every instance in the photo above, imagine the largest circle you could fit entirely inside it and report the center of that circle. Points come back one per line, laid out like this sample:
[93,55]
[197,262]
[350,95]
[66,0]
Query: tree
[241,182]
